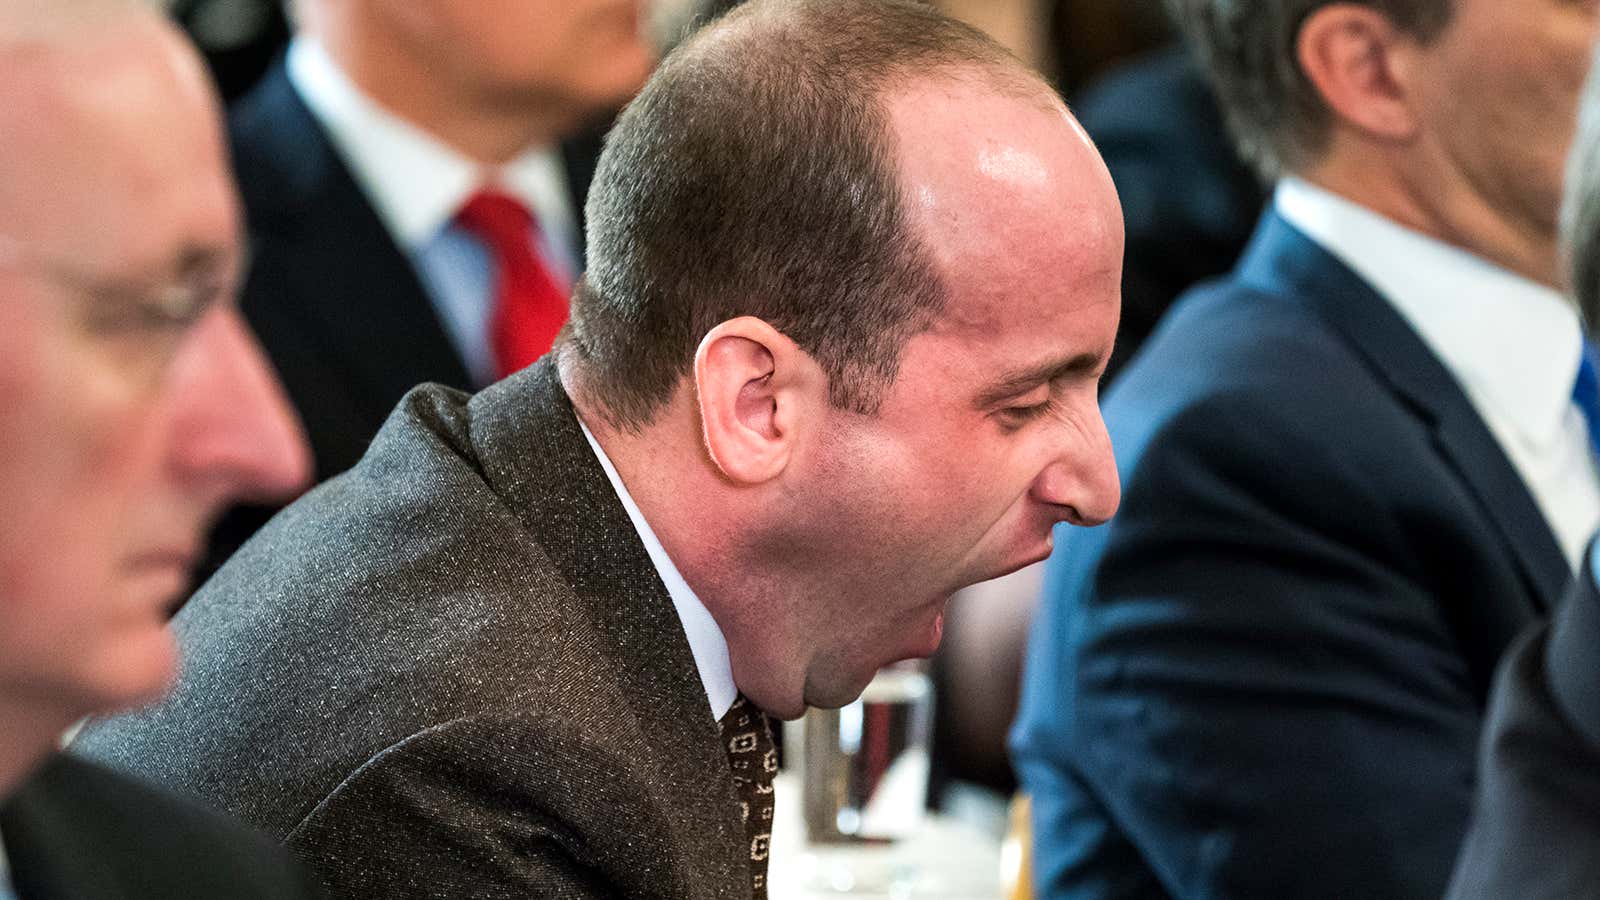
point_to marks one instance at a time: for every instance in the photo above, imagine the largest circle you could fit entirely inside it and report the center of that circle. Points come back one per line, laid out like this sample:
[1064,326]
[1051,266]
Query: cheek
[81,455]
[1516,85]
[78,474]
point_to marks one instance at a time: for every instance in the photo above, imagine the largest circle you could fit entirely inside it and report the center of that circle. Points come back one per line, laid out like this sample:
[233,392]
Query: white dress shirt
[417,185]
[1512,344]
[706,641]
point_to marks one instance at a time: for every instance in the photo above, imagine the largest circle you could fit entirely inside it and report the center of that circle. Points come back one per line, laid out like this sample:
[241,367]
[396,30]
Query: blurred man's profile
[133,406]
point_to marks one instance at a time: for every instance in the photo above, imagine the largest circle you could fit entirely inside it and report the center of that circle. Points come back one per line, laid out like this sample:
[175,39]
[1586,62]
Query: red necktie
[530,306]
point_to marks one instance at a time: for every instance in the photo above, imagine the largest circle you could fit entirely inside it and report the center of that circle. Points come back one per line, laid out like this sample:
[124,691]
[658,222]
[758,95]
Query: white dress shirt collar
[1513,344]
[415,182]
[706,641]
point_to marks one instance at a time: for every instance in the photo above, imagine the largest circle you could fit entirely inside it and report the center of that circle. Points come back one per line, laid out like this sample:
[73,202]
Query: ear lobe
[1358,62]
[751,385]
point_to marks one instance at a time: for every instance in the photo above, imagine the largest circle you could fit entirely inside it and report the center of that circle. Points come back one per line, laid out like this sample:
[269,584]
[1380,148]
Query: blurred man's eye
[162,310]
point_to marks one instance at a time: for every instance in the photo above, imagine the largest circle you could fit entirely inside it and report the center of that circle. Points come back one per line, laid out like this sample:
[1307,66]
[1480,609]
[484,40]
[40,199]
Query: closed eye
[1014,417]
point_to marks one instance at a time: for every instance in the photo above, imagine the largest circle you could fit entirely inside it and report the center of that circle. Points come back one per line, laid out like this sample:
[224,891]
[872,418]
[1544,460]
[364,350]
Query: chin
[132,671]
[832,693]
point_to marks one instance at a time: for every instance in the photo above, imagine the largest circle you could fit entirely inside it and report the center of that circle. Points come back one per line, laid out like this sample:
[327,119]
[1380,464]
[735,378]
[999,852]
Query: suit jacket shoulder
[78,830]
[1320,555]
[459,644]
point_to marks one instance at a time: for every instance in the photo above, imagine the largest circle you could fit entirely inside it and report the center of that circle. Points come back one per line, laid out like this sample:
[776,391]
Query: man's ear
[757,390]
[1361,65]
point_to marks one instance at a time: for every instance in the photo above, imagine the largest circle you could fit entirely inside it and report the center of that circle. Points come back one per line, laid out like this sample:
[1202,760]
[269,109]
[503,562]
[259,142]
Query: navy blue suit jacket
[1266,677]
[1536,817]
[338,307]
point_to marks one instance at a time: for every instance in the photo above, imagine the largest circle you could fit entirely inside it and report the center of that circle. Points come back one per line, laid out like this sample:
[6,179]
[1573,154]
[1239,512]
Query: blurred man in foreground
[1354,470]
[1536,815]
[832,360]
[133,404]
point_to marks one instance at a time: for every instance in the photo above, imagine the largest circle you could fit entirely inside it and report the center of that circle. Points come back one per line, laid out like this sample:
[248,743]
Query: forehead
[1011,201]
[110,148]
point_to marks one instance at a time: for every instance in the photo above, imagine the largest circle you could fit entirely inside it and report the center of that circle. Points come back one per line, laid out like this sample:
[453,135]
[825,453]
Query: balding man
[833,360]
[132,405]
[1354,470]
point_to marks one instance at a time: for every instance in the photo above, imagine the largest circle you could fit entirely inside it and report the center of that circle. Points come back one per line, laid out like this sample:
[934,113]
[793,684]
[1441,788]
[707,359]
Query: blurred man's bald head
[104,99]
[61,21]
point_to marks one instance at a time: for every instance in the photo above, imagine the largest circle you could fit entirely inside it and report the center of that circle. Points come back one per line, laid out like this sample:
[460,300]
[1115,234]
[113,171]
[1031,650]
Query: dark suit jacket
[1266,677]
[337,305]
[453,672]
[1536,816]
[75,831]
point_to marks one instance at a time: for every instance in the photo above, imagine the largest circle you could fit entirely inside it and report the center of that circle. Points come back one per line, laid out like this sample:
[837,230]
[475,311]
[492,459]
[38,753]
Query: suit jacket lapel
[1284,261]
[533,453]
[338,269]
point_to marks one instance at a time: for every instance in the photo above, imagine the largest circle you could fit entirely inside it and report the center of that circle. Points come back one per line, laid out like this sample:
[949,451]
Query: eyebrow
[1017,382]
[192,262]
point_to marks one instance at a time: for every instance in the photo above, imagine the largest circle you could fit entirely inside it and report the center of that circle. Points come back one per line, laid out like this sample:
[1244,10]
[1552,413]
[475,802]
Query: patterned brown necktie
[747,736]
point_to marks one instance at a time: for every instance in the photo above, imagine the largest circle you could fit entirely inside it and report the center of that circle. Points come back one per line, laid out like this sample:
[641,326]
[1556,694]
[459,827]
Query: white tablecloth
[943,858]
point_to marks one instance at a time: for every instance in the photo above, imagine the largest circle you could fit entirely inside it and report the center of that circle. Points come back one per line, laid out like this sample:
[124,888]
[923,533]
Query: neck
[712,541]
[29,733]
[490,131]
[1419,197]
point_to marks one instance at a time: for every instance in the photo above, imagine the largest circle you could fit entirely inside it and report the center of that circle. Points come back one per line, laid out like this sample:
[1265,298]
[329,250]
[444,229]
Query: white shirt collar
[415,182]
[1513,344]
[706,641]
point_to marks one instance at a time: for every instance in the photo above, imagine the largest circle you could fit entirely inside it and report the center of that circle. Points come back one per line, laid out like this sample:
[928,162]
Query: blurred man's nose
[234,427]
[1081,482]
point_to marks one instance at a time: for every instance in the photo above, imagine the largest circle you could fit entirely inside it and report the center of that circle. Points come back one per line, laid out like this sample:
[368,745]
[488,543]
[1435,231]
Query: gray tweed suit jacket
[453,672]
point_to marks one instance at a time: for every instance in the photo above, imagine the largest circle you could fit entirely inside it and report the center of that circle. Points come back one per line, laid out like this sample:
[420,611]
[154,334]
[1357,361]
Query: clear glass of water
[865,766]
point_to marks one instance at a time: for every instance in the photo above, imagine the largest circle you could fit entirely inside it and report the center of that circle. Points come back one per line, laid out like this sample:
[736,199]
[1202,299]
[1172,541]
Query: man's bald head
[105,101]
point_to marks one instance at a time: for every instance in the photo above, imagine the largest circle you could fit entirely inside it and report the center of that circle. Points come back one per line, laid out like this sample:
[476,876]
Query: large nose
[234,428]
[1080,482]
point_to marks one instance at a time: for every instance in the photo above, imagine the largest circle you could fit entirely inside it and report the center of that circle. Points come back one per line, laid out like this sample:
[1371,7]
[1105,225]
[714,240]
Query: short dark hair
[1276,115]
[755,176]
[1580,213]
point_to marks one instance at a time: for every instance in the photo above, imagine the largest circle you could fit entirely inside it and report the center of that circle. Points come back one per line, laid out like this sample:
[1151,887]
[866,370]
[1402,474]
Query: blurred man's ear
[757,392]
[1361,65]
